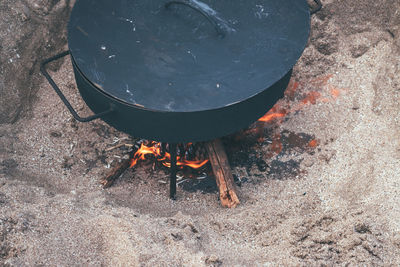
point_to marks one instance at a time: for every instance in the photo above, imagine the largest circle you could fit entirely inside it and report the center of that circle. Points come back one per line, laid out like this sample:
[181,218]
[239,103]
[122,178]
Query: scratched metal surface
[172,59]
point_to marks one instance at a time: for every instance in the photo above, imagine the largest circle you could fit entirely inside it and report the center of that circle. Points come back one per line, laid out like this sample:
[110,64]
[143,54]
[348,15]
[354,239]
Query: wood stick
[116,172]
[222,173]
[117,146]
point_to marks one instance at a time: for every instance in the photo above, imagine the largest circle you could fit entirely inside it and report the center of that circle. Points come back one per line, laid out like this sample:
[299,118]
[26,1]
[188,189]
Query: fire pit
[183,71]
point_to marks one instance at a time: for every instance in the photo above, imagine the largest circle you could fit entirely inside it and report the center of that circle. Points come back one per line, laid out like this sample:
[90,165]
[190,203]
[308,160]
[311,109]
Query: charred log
[116,172]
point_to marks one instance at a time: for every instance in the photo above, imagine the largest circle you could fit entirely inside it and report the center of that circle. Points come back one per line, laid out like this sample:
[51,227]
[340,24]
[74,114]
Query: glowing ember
[278,111]
[291,89]
[295,101]
[313,143]
[273,114]
[154,148]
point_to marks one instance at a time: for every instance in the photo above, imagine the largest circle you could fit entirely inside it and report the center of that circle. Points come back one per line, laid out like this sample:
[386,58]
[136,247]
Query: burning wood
[161,154]
[194,156]
[222,173]
[190,156]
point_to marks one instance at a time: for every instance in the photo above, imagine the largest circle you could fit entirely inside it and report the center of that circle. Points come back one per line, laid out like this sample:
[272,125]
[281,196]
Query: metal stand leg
[172,184]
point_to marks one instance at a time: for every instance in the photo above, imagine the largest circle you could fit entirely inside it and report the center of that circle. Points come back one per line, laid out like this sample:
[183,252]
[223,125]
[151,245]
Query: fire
[295,101]
[313,143]
[278,111]
[154,148]
[273,113]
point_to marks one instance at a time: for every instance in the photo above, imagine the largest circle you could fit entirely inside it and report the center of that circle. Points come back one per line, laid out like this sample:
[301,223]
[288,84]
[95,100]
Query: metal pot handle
[317,8]
[219,24]
[61,95]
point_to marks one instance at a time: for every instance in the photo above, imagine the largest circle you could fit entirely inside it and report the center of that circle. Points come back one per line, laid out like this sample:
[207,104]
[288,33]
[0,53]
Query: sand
[336,203]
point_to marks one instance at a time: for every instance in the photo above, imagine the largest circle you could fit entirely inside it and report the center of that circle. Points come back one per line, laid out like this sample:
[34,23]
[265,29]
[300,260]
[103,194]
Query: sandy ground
[337,203]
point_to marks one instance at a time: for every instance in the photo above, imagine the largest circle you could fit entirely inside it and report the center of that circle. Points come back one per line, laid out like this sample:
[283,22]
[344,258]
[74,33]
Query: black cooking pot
[184,70]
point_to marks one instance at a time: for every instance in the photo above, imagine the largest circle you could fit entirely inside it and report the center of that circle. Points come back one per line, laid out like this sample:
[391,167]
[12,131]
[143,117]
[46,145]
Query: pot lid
[186,55]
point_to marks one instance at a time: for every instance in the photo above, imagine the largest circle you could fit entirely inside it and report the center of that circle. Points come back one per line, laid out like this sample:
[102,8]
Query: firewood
[118,146]
[116,172]
[222,173]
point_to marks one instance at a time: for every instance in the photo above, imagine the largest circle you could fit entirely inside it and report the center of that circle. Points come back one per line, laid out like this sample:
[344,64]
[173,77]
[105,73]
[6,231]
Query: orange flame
[273,113]
[278,112]
[289,105]
[154,148]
